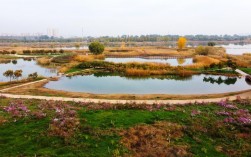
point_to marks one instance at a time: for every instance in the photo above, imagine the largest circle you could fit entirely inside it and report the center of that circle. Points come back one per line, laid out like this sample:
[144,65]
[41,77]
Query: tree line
[17,74]
[127,38]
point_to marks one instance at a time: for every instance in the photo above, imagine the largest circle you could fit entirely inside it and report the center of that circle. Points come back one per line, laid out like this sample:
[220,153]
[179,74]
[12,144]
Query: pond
[197,84]
[237,49]
[28,66]
[172,62]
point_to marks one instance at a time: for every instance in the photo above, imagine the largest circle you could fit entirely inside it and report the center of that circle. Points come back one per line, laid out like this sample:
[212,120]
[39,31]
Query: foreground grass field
[48,128]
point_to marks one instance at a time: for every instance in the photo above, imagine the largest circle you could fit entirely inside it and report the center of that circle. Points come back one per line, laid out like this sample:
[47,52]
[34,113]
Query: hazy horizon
[120,17]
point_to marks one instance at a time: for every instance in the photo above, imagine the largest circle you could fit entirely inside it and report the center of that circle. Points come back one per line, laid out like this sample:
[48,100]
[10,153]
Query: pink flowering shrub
[65,123]
[227,105]
[17,109]
[224,113]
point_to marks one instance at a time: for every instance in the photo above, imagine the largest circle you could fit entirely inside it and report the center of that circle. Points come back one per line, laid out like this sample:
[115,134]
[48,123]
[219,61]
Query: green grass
[96,135]
[246,70]
[128,118]
[73,69]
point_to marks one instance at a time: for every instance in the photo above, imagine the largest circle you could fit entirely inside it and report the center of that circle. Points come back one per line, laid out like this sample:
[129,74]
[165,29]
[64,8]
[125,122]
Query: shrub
[211,43]
[201,50]
[44,61]
[96,48]
[33,75]
[63,59]
[13,52]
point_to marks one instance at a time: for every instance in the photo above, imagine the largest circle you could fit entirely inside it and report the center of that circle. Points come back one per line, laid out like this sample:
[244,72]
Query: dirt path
[244,95]
[6,89]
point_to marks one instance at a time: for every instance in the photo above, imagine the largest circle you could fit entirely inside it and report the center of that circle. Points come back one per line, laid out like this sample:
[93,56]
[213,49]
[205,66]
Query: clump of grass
[99,57]
[137,72]
[247,54]
[202,61]
[185,73]
[142,72]
[83,58]
[88,58]
[44,61]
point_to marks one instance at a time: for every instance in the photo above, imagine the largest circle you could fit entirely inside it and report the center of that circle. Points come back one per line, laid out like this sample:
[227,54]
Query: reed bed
[202,61]
[44,61]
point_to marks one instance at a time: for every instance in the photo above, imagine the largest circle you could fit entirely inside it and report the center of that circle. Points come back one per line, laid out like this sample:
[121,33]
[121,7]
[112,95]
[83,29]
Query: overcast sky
[132,17]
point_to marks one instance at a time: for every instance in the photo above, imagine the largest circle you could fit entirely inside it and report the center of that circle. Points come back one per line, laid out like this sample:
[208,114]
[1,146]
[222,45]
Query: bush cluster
[4,52]
[42,52]
[201,50]
[96,48]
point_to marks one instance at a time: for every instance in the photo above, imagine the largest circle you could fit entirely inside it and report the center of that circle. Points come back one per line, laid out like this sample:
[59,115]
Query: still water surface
[172,62]
[197,84]
[27,66]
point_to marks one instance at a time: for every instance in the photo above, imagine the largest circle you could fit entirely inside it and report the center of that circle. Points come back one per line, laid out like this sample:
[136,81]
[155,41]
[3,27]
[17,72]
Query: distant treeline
[126,38]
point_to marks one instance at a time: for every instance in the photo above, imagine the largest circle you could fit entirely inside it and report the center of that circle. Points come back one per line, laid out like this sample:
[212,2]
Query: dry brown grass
[185,73]
[44,61]
[83,58]
[154,140]
[88,58]
[150,51]
[247,54]
[99,57]
[201,61]
[64,68]
[242,61]
[141,72]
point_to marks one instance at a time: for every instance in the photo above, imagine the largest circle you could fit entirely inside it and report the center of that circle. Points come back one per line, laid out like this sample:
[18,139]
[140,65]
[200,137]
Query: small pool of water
[28,66]
[198,84]
[172,62]
[237,49]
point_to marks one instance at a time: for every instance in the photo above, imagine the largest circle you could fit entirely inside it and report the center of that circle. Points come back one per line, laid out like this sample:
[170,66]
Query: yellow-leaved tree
[182,42]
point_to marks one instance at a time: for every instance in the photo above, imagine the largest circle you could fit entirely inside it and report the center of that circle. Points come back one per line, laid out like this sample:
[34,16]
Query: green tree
[201,50]
[96,48]
[33,75]
[18,73]
[211,43]
[9,73]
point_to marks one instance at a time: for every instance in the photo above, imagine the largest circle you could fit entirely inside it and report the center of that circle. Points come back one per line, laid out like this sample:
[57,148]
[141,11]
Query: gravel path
[244,95]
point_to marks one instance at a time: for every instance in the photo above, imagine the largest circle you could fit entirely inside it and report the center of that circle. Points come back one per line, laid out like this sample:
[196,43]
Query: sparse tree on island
[18,73]
[33,75]
[182,43]
[9,73]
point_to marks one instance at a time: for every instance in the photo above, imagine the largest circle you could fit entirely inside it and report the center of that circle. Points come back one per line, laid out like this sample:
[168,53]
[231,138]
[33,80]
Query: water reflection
[248,80]
[219,80]
[172,62]
[181,61]
[14,62]
[158,77]
[27,65]
[102,83]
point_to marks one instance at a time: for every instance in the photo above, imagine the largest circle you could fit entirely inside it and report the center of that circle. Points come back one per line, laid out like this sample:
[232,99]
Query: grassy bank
[40,128]
[246,70]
